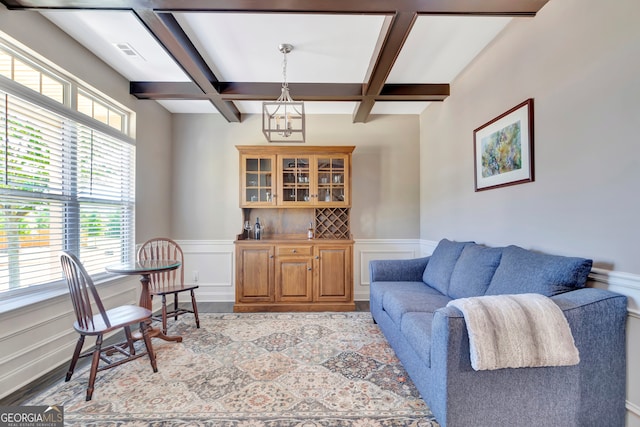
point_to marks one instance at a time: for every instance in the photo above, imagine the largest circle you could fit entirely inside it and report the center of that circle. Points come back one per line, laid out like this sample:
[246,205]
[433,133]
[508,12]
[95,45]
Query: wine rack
[332,223]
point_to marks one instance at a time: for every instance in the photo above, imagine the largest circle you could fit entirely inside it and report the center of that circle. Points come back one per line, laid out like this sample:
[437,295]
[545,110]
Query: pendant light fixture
[283,120]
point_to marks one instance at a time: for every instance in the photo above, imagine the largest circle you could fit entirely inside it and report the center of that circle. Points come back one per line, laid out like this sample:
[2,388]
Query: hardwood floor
[50,378]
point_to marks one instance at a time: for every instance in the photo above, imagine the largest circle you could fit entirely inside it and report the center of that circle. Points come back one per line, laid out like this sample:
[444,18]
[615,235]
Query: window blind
[64,185]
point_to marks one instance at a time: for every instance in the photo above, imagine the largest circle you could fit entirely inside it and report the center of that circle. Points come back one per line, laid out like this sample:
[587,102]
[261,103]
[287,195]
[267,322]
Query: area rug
[254,370]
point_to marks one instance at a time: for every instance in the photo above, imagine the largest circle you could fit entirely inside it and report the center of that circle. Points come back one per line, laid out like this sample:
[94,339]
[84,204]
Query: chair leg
[127,332]
[195,308]
[74,359]
[94,367]
[147,343]
[164,314]
[175,305]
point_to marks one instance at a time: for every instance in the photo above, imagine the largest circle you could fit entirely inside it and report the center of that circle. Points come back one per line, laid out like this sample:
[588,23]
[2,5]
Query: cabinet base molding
[310,307]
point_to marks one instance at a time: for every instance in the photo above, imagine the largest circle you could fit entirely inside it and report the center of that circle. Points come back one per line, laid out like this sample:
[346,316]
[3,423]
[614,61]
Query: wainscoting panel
[372,249]
[210,264]
[39,337]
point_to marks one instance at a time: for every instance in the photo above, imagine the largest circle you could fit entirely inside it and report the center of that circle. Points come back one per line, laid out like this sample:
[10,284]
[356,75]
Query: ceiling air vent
[128,50]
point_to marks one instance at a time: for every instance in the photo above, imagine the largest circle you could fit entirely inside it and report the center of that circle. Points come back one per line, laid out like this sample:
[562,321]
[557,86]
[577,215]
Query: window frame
[18,297]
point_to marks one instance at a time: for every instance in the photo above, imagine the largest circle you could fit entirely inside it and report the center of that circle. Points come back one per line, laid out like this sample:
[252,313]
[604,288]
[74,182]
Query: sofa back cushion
[437,274]
[522,271]
[474,270]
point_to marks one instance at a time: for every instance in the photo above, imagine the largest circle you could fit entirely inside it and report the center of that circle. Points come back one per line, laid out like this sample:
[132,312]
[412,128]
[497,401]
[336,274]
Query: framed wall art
[503,149]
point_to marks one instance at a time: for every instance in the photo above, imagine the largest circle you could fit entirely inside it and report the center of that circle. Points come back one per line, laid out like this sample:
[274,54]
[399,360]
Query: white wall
[580,61]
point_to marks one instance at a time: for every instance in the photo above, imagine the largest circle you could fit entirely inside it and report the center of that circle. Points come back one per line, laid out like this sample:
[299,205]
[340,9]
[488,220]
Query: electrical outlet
[196,276]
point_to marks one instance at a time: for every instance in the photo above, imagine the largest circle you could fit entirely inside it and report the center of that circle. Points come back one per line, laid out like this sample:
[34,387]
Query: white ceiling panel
[398,107]
[243,47]
[440,47]
[255,107]
[188,106]
[101,31]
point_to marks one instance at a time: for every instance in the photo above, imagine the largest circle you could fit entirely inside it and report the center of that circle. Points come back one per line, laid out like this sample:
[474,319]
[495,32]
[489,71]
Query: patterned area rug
[254,370]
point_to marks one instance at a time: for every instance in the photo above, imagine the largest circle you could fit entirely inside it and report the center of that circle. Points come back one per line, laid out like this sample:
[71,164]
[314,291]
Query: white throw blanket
[516,331]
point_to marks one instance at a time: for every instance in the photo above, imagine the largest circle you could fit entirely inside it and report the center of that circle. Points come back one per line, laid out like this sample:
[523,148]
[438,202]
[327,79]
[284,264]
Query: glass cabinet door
[332,178]
[296,180]
[257,183]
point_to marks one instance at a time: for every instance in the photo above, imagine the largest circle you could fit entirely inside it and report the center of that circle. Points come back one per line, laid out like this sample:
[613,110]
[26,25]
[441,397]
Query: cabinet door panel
[257,180]
[334,277]
[333,180]
[255,274]
[296,180]
[294,279]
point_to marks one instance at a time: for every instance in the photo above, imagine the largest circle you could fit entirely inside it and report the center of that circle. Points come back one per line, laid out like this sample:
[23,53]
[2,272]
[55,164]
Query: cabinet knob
[317,257]
[294,251]
[271,256]
[309,268]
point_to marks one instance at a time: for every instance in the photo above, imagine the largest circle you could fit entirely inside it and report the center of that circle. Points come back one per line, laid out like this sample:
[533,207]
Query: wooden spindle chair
[83,293]
[169,282]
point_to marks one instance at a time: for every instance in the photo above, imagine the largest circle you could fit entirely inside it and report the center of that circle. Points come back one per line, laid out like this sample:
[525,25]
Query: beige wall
[385,173]
[580,61]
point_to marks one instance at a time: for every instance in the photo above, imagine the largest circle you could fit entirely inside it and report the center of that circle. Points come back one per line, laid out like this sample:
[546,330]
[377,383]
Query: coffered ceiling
[356,57]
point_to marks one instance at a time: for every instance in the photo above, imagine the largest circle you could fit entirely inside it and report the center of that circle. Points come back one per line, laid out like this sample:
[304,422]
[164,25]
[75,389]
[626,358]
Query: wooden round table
[145,269]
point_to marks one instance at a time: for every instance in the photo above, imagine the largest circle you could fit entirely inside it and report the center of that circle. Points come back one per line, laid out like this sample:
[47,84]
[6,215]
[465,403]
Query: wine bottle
[258,229]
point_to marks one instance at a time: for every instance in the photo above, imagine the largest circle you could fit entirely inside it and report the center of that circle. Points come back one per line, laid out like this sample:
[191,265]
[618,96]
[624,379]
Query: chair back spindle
[163,249]
[82,290]
[83,295]
[170,282]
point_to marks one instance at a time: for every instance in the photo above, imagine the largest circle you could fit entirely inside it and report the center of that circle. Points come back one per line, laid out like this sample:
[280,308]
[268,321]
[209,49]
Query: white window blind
[64,185]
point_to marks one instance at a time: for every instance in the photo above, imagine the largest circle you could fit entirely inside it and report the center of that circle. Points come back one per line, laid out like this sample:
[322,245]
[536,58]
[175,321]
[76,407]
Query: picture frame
[503,149]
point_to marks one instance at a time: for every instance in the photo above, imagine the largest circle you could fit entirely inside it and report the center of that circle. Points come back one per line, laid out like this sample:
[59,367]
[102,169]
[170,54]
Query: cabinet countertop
[290,238]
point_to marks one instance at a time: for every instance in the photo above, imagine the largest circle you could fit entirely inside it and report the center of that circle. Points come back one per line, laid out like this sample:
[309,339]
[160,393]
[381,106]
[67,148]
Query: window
[100,111]
[66,178]
[21,70]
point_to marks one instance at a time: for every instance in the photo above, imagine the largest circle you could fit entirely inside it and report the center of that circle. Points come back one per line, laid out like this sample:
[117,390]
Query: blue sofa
[408,300]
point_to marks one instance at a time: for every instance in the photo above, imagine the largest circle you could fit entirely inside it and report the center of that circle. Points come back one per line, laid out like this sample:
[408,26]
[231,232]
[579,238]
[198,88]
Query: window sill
[45,293]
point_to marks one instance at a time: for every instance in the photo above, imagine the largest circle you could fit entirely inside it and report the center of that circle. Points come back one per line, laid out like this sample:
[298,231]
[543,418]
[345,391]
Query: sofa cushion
[522,271]
[426,300]
[438,271]
[416,328]
[379,289]
[474,270]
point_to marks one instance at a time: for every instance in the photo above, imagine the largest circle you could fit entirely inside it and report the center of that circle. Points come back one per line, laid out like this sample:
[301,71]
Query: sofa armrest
[594,315]
[397,270]
[597,319]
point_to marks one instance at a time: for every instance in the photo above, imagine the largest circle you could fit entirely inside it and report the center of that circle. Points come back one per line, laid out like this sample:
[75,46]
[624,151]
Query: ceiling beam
[456,7]
[166,90]
[397,33]
[157,16]
[170,35]
[249,91]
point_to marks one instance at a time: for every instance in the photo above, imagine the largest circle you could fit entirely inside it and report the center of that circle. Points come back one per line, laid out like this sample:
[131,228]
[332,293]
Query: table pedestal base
[156,333]
[145,301]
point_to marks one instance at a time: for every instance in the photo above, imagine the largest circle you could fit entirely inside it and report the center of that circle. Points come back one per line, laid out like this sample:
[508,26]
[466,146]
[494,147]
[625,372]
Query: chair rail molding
[623,283]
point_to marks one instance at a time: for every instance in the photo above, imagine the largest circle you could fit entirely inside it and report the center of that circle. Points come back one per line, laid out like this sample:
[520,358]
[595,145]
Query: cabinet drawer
[294,250]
